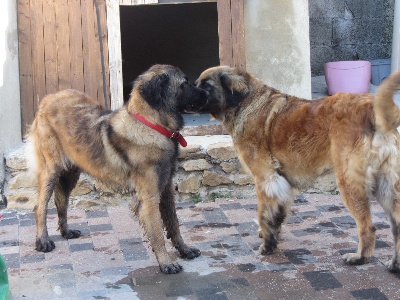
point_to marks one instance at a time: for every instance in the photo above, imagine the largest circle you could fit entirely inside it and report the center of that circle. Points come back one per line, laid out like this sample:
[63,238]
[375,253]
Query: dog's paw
[71,234]
[267,250]
[190,252]
[393,266]
[45,245]
[354,259]
[171,268]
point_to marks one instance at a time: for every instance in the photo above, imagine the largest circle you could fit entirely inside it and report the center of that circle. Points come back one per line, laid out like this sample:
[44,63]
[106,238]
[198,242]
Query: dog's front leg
[148,211]
[46,185]
[171,223]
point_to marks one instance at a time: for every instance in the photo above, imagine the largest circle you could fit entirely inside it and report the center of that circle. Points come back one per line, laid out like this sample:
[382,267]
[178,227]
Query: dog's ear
[154,90]
[235,87]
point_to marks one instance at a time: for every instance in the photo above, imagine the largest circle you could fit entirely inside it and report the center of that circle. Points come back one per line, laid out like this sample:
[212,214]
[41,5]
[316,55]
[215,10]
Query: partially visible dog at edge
[287,142]
[72,133]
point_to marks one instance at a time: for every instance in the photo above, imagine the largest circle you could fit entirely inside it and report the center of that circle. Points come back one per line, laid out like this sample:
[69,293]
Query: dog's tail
[387,114]
[30,151]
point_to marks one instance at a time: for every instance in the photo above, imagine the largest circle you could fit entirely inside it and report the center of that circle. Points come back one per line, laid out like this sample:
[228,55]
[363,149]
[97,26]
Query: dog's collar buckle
[175,135]
[164,131]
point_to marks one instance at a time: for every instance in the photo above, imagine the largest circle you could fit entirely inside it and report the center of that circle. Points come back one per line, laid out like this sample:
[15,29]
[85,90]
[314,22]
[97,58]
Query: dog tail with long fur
[387,114]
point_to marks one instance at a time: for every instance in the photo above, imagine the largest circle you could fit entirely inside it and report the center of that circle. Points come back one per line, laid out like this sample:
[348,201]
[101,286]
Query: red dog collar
[162,130]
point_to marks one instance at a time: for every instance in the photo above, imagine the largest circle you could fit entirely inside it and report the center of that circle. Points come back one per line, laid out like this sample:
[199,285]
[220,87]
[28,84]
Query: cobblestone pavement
[113,261]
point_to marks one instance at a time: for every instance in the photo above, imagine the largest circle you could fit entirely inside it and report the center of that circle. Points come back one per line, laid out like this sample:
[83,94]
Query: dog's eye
[206,85]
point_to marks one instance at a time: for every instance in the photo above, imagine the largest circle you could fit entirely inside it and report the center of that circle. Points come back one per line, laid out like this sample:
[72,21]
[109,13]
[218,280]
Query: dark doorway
[183,35]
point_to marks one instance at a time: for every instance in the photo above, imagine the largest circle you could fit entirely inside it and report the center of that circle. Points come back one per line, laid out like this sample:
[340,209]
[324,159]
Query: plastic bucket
[348,76]
[380,69]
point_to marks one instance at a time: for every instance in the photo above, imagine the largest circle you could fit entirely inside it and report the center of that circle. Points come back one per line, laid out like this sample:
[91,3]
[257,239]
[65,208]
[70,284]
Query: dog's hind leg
[63,188]
[389,197]
[394,264]
[46,183]
[171,223]
[274,198]
[356,200]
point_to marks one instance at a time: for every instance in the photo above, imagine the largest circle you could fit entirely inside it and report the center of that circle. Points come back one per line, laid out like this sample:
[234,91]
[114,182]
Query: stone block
[83,187]
[368,8]
[23,199]
[213,179]
[222,151]
[320,32]
[321,54]
[196,165]
[22,180]
[325,183]
[101,187]
[230,167]
[358,31]
[189,185]
[243,179]
[16,159]
[326,9]
[189,149]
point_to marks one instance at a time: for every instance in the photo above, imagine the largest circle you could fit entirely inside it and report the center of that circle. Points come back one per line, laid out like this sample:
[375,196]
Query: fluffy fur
[72,133]
[287,142]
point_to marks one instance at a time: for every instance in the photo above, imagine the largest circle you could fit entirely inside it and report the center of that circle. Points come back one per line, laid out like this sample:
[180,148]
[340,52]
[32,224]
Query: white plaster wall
[278,44]
[10,113]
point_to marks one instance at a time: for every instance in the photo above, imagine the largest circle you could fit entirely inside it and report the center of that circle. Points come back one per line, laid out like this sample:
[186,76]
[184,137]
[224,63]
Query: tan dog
[287,142]
[73,133]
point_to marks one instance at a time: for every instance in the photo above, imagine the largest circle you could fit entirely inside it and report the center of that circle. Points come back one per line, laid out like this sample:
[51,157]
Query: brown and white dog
[287,142]
[72,133]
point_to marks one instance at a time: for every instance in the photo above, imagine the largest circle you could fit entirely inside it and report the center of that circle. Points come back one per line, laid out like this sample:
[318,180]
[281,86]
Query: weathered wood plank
[50,51]
[225,32]
[125,2]
[238,34]
[63,52]
[95,48]
[103,22]
[91,54]
[115,55]
[75,38]
[39,71]
[25,66]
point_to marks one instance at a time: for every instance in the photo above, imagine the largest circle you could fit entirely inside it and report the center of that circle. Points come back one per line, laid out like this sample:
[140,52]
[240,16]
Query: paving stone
[81,247]
[369,294]
[322,280]
[300,256]
[96,214]
[100,227]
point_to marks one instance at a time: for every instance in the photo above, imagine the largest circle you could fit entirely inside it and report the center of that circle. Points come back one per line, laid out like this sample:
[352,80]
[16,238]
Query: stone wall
[347,29]
[207,168]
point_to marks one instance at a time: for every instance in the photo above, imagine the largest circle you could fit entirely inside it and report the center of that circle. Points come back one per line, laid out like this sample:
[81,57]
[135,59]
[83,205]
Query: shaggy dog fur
[73,133]
[287,142]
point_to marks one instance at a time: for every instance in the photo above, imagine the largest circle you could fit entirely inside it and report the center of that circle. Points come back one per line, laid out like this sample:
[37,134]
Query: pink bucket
[348,76]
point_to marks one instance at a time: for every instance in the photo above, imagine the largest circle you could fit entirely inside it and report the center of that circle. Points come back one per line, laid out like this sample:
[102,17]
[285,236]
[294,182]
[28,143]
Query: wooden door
[59,48]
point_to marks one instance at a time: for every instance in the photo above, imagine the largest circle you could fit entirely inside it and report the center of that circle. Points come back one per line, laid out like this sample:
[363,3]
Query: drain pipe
[396,38]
